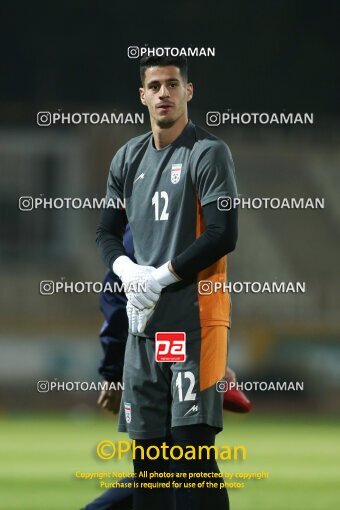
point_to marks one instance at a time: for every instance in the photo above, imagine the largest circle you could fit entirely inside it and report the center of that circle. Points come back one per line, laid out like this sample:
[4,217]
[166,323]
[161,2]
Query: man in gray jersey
[171,179]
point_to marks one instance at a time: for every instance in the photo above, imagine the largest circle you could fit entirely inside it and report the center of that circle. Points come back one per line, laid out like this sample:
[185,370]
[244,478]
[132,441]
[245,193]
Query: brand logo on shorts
[127,409]
[176,173]
[170,347]
[193,409]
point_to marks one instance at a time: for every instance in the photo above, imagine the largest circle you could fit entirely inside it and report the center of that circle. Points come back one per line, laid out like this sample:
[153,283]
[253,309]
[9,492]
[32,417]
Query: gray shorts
[161,395]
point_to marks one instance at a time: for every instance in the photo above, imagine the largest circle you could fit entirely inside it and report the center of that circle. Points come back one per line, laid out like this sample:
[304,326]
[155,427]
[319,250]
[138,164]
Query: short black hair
[151,61]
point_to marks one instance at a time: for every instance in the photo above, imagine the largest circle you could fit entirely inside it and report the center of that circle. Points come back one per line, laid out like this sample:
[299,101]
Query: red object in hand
[233,399]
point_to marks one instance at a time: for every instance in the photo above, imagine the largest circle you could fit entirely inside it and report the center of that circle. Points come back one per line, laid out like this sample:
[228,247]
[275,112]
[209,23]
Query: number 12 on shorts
[170,347]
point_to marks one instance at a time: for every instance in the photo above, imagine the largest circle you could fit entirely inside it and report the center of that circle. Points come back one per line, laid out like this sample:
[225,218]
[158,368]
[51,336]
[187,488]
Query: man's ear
[142,96]
[190,91]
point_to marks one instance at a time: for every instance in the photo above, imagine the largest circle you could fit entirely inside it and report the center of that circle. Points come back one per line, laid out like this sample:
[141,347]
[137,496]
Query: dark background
[269,54]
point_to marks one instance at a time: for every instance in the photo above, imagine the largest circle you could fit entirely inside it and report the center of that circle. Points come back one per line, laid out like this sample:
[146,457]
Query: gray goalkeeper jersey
[164,191]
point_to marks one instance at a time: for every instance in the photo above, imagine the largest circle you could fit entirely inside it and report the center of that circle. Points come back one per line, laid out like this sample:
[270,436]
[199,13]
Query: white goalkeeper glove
[153,284]
[134,279]
[144,285]
[138,318]
[161,277]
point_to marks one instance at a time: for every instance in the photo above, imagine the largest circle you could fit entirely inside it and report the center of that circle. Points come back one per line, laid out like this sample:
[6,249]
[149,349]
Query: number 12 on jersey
[160,201]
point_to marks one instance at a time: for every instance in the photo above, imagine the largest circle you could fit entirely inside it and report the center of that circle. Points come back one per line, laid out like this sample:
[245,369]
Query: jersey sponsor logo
[127,409]
[192,409]
[141,176]
[176,172]
[170,347]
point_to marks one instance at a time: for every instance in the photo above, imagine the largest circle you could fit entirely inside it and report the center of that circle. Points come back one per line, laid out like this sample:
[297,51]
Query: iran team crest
[176,172]
[127,409]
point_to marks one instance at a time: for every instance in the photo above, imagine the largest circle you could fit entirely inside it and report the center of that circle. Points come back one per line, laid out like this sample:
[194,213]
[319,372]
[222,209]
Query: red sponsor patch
[170,346]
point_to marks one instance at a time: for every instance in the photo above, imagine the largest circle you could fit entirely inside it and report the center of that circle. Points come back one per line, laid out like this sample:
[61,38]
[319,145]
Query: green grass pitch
[39,456]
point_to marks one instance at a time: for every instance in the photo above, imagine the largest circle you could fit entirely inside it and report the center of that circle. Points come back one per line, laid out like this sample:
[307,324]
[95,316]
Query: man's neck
[163,137]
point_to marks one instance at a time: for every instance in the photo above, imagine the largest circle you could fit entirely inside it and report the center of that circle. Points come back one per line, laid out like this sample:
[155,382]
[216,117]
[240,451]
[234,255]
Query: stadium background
[270,57]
